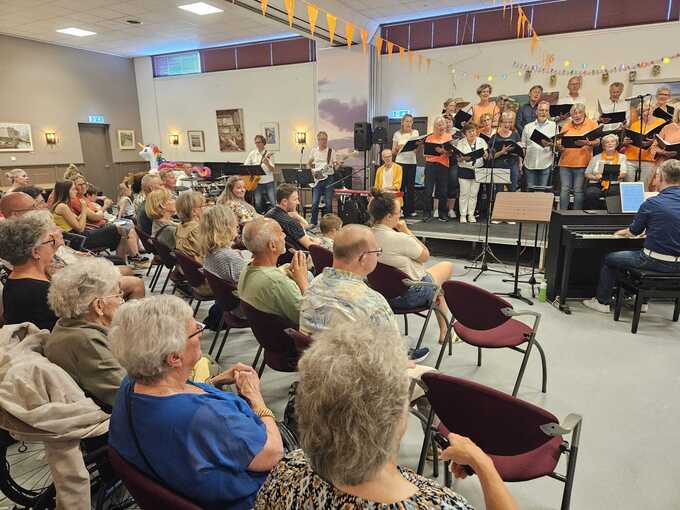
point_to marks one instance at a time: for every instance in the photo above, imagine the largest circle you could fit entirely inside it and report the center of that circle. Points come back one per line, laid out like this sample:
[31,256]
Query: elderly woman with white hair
[211,446]
[29,243]
[574,160]
[599,184]
[17,178]
[437,170]
[352,408]
[85,297]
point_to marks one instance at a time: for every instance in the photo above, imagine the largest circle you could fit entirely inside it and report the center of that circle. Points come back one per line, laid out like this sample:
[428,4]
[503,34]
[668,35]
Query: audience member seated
[216,234]
[15,204]
[17,178]
[168,181]
[95,213]
[262,285]
[352,409]
[211,446]
[597,187]
[84,297]
[329,225]
[121,239]
[234,196]
[388,177]
[36,193]
[150,182]
[126,210]
[190,206]
[160,208]
[285,213]
[402,249]
[28,243]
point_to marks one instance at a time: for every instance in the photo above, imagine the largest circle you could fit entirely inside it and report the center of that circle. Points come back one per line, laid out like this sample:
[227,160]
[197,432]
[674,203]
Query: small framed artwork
[196,141]
[270,131]
[15,137]
[126,139]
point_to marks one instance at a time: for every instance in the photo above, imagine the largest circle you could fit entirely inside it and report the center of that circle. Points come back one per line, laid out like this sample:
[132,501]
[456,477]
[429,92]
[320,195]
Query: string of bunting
[569,68]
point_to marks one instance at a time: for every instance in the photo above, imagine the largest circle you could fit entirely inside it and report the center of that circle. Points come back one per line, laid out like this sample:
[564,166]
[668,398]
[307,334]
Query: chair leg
[479,356]
[217,334]
[435,459]
[155,277]
[619,303]
[224,341]
[426,442]
[525,360]
[259,372]
[422,331]
[447,340]
[257,356]
[167,278]
[676,310]
[447,474]
[174,289]
[148,271]
[639,298]
[198,304]
[406,324]
[544,366]
[571,469]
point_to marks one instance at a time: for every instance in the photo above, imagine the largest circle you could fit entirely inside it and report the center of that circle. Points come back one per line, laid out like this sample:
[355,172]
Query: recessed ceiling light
[200,8]
[78,32]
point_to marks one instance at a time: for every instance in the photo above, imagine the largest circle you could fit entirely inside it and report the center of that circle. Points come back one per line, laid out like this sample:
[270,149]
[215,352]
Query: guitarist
[321,156]
[265,189]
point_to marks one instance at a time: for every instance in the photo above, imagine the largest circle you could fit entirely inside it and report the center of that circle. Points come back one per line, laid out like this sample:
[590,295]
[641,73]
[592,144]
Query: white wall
[283,94]
[423,92]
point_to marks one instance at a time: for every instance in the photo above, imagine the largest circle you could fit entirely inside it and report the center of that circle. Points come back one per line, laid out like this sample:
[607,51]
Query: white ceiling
[166,28]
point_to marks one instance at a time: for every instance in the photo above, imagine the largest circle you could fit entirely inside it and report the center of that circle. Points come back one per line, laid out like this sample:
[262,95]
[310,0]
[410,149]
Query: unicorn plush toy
[152,154]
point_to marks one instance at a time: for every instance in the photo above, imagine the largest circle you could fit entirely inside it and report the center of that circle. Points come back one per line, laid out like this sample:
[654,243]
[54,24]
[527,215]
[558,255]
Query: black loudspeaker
[380,130]
[363,138]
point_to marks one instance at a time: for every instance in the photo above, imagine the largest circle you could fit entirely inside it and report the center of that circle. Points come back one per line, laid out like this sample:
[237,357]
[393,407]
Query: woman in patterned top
[234,196]
[352,409]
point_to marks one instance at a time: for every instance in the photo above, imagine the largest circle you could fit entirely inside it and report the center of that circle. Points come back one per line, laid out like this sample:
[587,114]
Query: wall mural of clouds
[343,114]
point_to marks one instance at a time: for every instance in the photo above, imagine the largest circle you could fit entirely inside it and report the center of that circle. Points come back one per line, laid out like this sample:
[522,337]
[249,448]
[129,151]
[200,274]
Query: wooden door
[97,158]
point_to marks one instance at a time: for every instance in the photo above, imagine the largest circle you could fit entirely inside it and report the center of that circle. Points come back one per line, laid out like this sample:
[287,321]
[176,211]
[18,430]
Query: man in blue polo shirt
[659,218]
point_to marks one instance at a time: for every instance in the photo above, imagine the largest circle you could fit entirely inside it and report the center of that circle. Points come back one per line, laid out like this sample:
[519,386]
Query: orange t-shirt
[577,157]
[632,152]
[491,109]
[442,159]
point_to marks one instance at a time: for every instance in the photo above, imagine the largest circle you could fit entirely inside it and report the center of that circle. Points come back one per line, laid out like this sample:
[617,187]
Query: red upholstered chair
[302,341]
[223,290]
[169,261]
[270,331]
[148,493]
[321,257]
[193,272]
[147,243]
[485,320]
[391,283]
[524,441]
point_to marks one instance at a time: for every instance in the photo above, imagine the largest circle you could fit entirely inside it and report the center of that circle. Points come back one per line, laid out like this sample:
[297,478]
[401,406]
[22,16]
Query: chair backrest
[302,341]
[321,257]
[280,352]
[497,422]
[223,290]
[148,493]
[146,239]
[165,254]
[191,269]
[473,306]
[387,280]
[287,256]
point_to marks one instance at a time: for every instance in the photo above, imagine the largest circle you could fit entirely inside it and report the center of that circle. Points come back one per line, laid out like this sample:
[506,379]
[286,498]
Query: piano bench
[645,284]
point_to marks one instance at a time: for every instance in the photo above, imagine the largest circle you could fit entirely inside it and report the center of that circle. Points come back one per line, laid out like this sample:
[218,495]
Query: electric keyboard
[362,192]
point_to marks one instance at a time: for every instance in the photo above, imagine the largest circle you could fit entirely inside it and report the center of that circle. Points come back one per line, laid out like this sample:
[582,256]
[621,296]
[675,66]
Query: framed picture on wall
[15,137]
[230,130]
[126,139]
[196,141]
[270,131]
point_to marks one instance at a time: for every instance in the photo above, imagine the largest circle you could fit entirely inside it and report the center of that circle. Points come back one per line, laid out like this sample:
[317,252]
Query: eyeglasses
[51,241]
[378,252]
[201,328]
[118,295]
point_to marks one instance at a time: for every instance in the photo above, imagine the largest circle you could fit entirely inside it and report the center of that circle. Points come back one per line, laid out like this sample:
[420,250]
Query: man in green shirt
[262,285]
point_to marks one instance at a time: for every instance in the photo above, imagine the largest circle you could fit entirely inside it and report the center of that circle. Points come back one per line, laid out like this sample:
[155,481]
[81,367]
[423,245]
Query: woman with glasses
[29,243]
[85,297]
[213,447]
[402,249]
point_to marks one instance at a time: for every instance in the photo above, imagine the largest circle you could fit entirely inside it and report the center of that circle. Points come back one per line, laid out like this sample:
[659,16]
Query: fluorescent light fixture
[200,8]
[78,32]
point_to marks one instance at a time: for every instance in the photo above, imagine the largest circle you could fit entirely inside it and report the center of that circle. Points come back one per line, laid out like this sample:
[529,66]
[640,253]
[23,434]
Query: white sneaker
[594,304]
[495,222]
[472,219]
[435,214]
[463,219]
[452,213]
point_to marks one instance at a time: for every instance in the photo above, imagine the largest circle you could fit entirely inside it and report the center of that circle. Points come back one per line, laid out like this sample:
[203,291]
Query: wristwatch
[264,412]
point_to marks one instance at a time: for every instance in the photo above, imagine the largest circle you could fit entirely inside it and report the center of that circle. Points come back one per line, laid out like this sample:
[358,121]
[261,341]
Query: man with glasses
[15,204]
[339,294]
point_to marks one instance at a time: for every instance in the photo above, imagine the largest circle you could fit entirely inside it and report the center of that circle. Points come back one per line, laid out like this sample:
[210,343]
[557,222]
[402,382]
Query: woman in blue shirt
[210,446]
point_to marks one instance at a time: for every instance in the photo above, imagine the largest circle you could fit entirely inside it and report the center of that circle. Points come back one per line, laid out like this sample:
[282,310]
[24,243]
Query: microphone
[641,96]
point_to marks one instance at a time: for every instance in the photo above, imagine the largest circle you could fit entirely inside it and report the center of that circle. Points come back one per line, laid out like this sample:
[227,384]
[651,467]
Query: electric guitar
[319,173]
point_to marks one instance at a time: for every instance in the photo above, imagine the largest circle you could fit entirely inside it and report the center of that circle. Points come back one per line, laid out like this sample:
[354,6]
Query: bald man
[13,205]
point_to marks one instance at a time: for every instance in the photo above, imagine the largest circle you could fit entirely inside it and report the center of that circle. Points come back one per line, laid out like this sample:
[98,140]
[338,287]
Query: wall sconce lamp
[174,139]
[301,137]
[51,138]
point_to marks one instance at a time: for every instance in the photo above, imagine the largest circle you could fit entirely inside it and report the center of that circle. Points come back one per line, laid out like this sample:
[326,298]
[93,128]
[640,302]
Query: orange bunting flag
[428,62]
[420,61]
[390,48]
[312,14]
[264,7]
[521,21]
[410,57]
[332,21]
[349,33]
[364,35]
[534,41]
[290,9]
[401,55]
[378,45]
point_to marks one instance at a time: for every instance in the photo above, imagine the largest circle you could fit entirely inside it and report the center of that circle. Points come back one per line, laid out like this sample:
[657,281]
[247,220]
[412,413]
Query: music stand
[522,207]
[302,178]
[241,169]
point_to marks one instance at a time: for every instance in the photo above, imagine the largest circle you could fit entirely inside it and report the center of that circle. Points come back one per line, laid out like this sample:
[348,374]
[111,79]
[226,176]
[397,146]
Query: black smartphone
[443,443]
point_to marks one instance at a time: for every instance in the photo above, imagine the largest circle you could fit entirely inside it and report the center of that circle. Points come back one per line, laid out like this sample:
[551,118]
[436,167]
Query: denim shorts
[416,296]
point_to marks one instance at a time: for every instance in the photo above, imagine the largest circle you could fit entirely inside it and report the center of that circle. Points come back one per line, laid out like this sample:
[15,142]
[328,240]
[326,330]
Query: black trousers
[436,177]
[408,182]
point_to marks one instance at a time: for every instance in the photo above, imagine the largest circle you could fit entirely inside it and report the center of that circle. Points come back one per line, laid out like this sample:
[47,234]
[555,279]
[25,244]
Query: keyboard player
[659,219]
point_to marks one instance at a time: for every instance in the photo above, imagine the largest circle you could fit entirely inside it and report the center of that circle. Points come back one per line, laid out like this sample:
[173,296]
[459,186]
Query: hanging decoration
[390,48]
[331,22]
[378,45]
[263,4]
[401,54]
[364,35]
[290,9]
[312,14]
[349,32]
[569,68]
